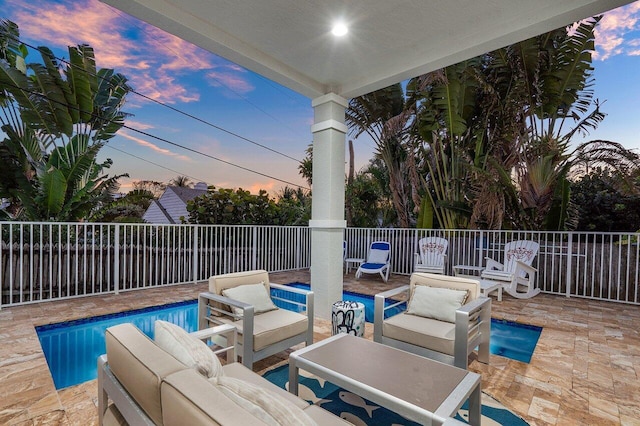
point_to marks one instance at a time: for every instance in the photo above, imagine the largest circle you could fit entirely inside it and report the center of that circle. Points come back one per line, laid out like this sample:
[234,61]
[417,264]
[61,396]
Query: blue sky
[197,82]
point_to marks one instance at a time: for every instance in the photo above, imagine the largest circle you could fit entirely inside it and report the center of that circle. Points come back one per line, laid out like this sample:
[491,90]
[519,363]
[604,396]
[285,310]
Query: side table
[355,261]
[347,317]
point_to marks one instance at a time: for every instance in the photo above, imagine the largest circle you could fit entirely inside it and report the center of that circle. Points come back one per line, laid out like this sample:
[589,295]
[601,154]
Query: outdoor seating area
[583,370]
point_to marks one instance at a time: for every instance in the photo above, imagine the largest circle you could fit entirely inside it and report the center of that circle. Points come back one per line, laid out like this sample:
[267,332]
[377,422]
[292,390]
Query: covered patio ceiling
[388,41]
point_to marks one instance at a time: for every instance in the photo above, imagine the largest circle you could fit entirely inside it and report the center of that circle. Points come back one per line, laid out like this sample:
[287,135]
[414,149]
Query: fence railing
[593,265]
[53,261]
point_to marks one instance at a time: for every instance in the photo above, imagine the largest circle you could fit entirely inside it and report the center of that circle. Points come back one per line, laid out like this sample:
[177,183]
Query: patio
[584,370]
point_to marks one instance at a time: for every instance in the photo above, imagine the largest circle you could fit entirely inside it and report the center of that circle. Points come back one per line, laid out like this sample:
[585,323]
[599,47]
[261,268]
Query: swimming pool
[72,348]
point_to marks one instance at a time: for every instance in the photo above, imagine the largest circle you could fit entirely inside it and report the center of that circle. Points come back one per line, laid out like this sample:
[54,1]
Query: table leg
[293,376]
[475,406]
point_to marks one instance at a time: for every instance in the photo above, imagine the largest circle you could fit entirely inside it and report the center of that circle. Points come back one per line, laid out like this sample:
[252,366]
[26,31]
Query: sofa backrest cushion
[217,283]
[445,281]
[140,366]
[189,399]
[187,349]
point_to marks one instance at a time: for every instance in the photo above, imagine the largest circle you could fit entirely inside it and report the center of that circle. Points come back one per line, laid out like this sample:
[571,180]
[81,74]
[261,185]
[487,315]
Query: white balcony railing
[53,261]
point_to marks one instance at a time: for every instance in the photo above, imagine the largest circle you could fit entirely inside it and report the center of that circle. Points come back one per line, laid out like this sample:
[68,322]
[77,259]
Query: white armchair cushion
[190,351]
[268,406]
[437,303]
[253,294]
[378,256]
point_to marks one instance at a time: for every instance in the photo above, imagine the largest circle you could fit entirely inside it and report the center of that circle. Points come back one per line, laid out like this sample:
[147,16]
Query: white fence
[53,261]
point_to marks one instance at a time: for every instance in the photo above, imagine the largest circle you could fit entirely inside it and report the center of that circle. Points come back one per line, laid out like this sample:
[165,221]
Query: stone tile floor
[584,371]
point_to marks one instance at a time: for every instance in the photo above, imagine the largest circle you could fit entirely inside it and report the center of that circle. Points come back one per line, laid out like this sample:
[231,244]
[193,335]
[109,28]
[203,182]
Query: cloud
[230,77]
[613,32]
[152,146]
[139,125]
[156,63]
[269,186]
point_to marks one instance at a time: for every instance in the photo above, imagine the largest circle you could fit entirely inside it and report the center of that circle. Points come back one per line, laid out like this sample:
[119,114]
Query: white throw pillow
[190,351]
[267,406]
[435,302]
[378,256]
[253,294]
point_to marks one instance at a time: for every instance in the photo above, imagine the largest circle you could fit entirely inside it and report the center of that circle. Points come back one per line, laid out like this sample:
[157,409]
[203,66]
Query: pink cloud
[230,77]
[152,146]
[139,125]
[153,60]
[612,29]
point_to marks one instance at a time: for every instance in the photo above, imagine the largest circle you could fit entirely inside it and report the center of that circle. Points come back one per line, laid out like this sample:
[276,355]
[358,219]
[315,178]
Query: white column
[327,213]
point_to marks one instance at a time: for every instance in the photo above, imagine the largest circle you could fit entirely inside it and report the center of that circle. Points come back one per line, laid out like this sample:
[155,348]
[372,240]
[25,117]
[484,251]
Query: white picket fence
[54,261]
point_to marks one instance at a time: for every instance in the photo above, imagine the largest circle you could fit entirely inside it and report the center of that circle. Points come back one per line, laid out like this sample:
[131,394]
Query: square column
[327,211]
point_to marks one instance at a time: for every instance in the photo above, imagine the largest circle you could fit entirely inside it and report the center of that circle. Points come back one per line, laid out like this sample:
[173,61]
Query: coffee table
[418,388]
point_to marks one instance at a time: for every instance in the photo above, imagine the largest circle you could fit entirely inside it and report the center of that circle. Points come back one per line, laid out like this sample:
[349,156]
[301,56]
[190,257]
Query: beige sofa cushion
[254,294]
[426,332]
[239,371]
[265,405]
[436,302]
[445,281]
[273,326]
[192,352]
[140,366]
[189,399]
[218,283]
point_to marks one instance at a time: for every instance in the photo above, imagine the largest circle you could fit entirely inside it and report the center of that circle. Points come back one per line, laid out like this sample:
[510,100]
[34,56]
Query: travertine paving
[585,370]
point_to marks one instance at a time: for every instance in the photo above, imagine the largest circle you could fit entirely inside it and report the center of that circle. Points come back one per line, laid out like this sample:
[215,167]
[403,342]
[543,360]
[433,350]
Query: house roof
[388,41]
[186,194]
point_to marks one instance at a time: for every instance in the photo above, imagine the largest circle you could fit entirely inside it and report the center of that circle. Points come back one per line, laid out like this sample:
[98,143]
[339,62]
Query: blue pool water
[72,348]
[513,340]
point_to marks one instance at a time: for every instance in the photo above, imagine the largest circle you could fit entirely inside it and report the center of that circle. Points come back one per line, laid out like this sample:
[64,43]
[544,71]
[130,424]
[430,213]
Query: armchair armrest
[473,328]
[380,308]
[527,268]
[492,264]
[228,332]
[204,319]
[308,305]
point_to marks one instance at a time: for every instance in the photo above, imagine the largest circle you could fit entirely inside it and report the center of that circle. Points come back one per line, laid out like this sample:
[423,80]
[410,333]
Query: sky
[265,126]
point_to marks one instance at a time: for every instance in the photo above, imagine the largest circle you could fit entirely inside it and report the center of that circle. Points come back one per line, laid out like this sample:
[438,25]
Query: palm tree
[544,86]
[181,181]
[386,118]
[56,118]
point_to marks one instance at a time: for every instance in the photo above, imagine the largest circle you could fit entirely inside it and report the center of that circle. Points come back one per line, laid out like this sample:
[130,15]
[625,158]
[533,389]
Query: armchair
[431,256]
[433,326]
[263,329]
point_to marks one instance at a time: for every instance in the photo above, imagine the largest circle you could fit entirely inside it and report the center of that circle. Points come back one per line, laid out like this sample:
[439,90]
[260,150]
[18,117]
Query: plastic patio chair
[431,256]
[516,272]
[377,261]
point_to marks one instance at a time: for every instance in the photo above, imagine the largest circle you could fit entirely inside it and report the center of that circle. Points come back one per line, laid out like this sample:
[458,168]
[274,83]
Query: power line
[158,137]
[155,164]
[229,132]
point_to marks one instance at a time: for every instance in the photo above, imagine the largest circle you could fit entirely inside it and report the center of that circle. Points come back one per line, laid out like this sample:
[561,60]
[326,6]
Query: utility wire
[229,132]
[158,137]
[155,164]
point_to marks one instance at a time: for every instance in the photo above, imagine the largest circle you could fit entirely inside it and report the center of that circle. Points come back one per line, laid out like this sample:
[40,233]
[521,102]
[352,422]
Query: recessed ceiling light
[339,29]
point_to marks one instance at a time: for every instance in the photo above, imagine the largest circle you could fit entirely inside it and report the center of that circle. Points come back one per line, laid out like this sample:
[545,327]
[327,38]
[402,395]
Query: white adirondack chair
[517,272]
[433,251]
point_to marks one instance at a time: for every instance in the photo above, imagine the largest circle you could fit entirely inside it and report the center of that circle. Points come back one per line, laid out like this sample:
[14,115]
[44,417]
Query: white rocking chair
[517,271]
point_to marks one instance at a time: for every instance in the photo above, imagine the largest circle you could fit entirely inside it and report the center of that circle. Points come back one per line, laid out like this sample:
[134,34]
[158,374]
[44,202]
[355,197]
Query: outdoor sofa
[139,383]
